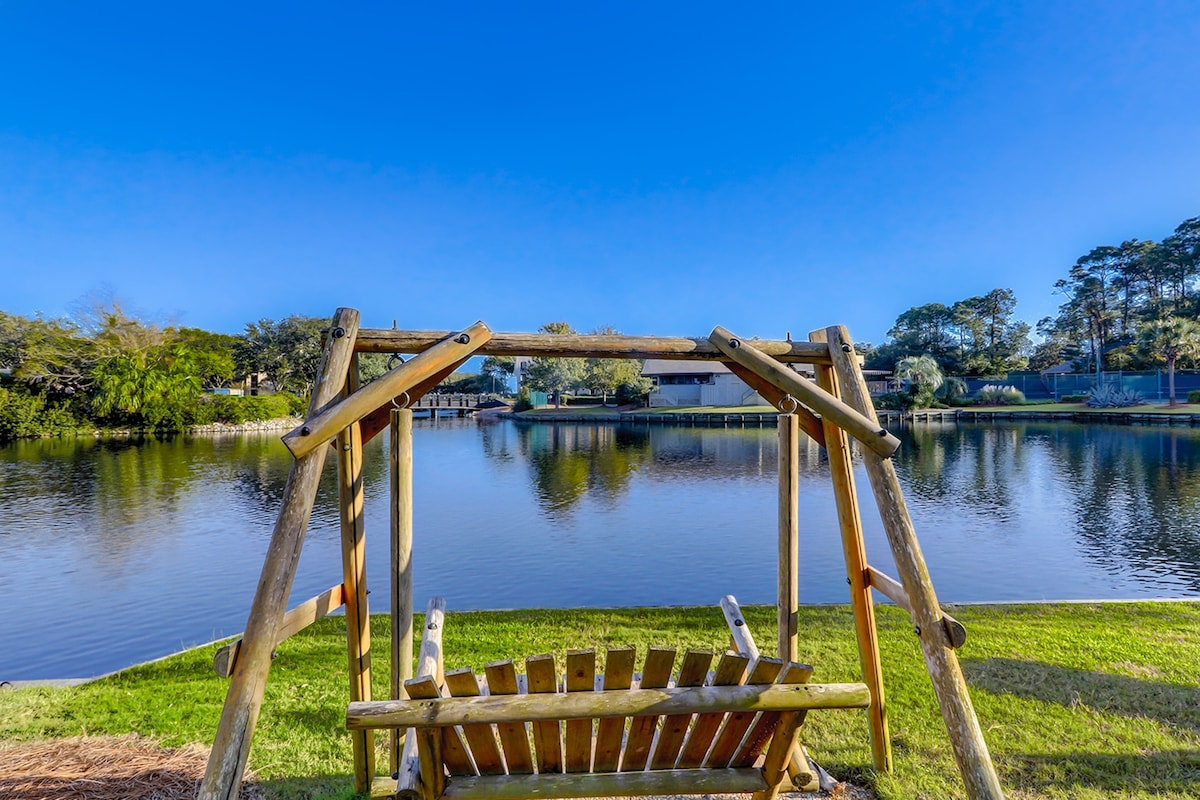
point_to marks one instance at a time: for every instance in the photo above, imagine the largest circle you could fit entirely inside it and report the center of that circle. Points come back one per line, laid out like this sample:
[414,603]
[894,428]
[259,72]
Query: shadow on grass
[1162,773]
[1165,772]
[1170,704]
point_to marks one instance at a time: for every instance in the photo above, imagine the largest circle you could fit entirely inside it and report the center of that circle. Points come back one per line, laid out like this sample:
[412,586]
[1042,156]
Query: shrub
[23,415]
[895,401]
[951,389]
[633,392]
[235,410]
[523,402]
[1194,397]
[297,406]
[1114,396]
[18,414]
[1073,398]
[996,395]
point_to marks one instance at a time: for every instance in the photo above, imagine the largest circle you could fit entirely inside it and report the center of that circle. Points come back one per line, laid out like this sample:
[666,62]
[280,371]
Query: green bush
[895,401]
[580,400]
[234,410]
[1194,397]
[297,406]
[1073,398]
[23,414]
[18,414]
[523,402]
[996,395]
[952,389]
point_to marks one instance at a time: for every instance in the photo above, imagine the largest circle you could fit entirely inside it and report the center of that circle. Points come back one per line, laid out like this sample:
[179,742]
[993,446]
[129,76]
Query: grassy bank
[1076,701]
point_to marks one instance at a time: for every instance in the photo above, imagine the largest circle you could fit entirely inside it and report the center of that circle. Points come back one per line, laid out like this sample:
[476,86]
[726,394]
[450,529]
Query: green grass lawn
[1076,701]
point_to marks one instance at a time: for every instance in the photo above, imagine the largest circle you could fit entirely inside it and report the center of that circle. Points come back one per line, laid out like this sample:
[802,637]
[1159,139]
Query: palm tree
[924,376]
[1169,340]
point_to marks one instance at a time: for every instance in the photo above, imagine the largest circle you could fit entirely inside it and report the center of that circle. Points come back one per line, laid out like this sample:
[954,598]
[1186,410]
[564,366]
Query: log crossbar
[376,340]
[891,588]
[294,621]
[733,730]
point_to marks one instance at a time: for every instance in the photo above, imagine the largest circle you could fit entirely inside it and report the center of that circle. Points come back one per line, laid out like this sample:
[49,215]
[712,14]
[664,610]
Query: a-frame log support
[326,420]
[231,747]
[400,457]
[866,429]
[966,737]
[854,550]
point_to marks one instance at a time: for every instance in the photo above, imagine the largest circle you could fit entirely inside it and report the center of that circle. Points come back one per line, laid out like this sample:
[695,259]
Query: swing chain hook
[404,405]
[788,400]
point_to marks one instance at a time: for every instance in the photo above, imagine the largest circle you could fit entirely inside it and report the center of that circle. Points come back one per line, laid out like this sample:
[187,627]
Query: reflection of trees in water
[497,445]
[980,469]
[569,462]
[699,454]
[1136,498]
[1131,494]
[259,476]
[119,499]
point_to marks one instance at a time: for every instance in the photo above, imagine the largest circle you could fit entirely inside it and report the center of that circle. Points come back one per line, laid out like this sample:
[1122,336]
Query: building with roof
[697,383]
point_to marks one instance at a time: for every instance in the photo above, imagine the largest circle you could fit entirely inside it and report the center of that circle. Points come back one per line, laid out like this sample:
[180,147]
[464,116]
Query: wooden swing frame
[831,412]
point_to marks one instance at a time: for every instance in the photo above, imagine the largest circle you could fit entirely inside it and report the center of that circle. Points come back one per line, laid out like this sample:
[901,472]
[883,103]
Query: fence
[1151,383]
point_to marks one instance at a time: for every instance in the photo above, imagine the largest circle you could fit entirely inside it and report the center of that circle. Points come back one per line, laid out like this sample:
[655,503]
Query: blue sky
[657,167]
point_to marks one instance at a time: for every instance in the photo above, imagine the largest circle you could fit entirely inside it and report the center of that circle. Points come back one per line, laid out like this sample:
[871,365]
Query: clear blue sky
[656,167]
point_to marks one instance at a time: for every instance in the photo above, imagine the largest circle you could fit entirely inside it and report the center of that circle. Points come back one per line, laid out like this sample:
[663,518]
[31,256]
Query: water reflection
[569,462]
[1127,499]
[127,550]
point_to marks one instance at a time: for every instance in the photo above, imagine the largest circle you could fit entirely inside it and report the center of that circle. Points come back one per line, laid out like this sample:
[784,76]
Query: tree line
[1125,307]
[102,367]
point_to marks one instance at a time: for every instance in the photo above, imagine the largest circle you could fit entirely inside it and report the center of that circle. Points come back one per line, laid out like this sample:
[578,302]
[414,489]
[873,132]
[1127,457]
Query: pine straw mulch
[105,768]
[123,767]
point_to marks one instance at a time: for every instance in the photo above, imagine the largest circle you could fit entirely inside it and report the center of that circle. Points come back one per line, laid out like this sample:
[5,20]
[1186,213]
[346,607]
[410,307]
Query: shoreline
[58,683]
[769,416]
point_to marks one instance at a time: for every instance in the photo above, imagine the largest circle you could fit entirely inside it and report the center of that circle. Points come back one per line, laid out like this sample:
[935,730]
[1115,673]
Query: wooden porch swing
[656,732]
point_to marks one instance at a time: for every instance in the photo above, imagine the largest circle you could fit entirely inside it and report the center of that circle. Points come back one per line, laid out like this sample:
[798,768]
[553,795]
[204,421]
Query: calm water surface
[115,552]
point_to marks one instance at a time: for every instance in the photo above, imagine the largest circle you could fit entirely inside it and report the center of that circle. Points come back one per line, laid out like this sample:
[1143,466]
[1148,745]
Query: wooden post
[841,468]
[402,538]
[354,582]
[231,746]
[966,738]
[789,535]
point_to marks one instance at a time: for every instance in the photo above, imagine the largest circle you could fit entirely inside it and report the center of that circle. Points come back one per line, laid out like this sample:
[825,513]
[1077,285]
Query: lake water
[116,552]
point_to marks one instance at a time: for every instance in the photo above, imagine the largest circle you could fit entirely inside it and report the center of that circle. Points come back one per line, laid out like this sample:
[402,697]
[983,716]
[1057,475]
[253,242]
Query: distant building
[697,383]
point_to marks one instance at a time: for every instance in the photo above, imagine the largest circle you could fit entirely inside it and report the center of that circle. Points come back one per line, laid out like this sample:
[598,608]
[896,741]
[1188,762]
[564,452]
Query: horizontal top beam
[557,345]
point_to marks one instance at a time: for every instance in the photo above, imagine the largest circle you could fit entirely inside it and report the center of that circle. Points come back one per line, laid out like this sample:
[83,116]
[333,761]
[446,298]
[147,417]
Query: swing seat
[619,733]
